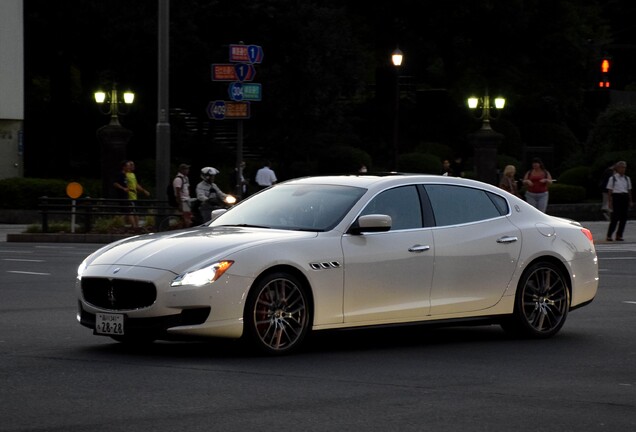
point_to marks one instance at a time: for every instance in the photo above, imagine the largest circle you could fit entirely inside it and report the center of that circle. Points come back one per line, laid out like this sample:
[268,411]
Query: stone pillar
[113,139]
[485,142]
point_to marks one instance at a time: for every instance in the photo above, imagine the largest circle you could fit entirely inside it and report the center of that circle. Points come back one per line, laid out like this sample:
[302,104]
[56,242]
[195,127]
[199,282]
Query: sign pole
[239,159]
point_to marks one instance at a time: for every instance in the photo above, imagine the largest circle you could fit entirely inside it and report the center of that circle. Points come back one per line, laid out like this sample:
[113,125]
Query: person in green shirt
[133,189]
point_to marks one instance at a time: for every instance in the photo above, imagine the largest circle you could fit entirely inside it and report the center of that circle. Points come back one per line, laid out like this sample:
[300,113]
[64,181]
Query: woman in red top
[537,181]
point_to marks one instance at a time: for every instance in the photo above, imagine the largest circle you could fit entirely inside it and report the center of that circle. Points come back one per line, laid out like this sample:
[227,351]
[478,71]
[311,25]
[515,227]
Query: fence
[88,210]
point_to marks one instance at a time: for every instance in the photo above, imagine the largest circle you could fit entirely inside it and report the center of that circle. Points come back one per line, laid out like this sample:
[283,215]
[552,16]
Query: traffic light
[604,82]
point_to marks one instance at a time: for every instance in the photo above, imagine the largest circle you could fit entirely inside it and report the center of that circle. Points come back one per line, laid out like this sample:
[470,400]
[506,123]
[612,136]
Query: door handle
[419,248]
[507,239]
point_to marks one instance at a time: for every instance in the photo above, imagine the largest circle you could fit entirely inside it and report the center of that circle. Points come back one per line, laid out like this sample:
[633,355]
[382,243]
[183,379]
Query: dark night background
[328,84]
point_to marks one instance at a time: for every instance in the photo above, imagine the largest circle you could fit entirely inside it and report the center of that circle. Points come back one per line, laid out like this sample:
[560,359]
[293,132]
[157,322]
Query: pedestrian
[607,174]
[238,181]
[133,189]
[457,167]
[619,200]
[508,181]
[121,192]
[265,177]
[181,185]
[446,168]
[537,180]
[208,193]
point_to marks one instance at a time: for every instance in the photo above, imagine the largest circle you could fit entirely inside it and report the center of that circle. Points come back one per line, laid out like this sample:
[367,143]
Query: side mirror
[216,213]
[371,223]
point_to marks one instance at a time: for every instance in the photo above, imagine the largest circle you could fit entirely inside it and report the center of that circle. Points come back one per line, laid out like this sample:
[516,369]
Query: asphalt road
[57,376]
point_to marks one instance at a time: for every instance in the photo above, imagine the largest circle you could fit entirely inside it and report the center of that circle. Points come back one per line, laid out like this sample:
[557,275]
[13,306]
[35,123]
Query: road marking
[55,247]
[630,247]
[21,260]
[630,302]
[29,273]
[618,258]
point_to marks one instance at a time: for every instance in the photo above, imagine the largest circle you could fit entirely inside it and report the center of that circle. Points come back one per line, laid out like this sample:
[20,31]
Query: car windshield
[305,207]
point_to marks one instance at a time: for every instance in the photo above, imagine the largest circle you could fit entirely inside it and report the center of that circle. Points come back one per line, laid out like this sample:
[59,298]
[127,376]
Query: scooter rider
[209,194]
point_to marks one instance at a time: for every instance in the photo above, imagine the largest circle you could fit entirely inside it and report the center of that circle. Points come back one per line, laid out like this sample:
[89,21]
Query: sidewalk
[598,228]
[10,229]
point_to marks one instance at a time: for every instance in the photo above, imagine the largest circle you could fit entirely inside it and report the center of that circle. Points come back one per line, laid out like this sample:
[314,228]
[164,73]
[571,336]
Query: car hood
[180,250]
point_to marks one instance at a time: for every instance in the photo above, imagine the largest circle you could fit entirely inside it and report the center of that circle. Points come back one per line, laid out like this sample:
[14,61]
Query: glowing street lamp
[111,99]
[485,105]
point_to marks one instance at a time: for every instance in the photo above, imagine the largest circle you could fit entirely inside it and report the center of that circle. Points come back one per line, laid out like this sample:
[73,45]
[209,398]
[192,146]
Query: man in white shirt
[619,200]
[181,185]
[265,176]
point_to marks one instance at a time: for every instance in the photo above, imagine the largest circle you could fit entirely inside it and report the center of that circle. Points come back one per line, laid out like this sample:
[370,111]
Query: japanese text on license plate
[109,324]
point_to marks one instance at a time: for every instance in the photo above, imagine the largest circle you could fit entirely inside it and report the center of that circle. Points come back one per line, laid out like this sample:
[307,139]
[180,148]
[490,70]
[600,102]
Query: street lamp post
[485,105]
[113,137]
[113,102]
[485,141]
[396,58]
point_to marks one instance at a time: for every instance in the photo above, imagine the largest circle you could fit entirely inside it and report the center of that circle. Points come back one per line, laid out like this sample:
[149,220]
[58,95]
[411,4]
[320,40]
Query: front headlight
[202,276]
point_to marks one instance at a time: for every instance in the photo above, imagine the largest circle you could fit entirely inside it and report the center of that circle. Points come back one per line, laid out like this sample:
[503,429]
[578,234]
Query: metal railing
[88,210]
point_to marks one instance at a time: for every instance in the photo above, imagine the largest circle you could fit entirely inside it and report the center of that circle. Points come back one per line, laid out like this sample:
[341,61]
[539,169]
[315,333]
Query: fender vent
[325,265]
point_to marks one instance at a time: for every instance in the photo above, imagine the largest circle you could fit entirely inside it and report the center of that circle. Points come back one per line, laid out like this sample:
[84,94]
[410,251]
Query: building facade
[11,88]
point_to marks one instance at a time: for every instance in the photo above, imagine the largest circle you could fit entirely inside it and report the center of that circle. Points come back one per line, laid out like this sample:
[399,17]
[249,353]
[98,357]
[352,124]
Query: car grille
[118,294]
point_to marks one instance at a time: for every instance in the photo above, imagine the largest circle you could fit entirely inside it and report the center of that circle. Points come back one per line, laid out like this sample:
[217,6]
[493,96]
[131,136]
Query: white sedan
[344,251]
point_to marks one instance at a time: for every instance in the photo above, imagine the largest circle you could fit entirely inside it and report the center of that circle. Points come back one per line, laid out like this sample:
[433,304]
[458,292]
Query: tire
[542,302]
[278,314]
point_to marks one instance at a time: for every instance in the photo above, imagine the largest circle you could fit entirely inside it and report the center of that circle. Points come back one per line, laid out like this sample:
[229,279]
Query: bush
[23,193]
[577,176]
[566,194]
[419,163]
[581,176]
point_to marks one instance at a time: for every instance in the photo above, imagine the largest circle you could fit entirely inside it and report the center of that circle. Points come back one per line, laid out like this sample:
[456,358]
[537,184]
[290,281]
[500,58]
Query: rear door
[476,249]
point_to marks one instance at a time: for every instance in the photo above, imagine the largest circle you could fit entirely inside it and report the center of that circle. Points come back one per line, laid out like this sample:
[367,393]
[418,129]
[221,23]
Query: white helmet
[207,172]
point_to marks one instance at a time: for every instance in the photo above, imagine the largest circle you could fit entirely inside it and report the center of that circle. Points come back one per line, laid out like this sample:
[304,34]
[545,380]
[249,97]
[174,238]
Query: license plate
[109,324]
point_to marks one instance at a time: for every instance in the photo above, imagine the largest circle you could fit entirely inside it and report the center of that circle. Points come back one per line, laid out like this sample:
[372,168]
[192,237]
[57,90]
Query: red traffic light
[605,65]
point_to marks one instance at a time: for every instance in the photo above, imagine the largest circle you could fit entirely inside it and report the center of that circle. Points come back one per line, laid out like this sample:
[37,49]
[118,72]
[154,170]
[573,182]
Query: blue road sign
[244,91]
[216,110]
[255,54]
[221,110]
[246,53]
[245,71]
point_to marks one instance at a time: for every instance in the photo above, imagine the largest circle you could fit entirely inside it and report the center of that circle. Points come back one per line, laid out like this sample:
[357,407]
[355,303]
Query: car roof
[386,179]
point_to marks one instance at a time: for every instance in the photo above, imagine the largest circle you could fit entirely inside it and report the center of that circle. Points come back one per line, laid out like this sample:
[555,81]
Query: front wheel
[542,302]
[278,314]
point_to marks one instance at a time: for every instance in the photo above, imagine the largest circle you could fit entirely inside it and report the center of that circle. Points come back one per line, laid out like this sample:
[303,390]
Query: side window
[500,202]
[401,203]
[454,205]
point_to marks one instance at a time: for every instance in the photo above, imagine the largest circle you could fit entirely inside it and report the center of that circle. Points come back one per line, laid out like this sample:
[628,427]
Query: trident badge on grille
[111,295]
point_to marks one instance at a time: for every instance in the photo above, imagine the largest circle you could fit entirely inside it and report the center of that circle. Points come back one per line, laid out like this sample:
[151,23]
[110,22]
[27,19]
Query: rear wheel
[278,314]
[542,302]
